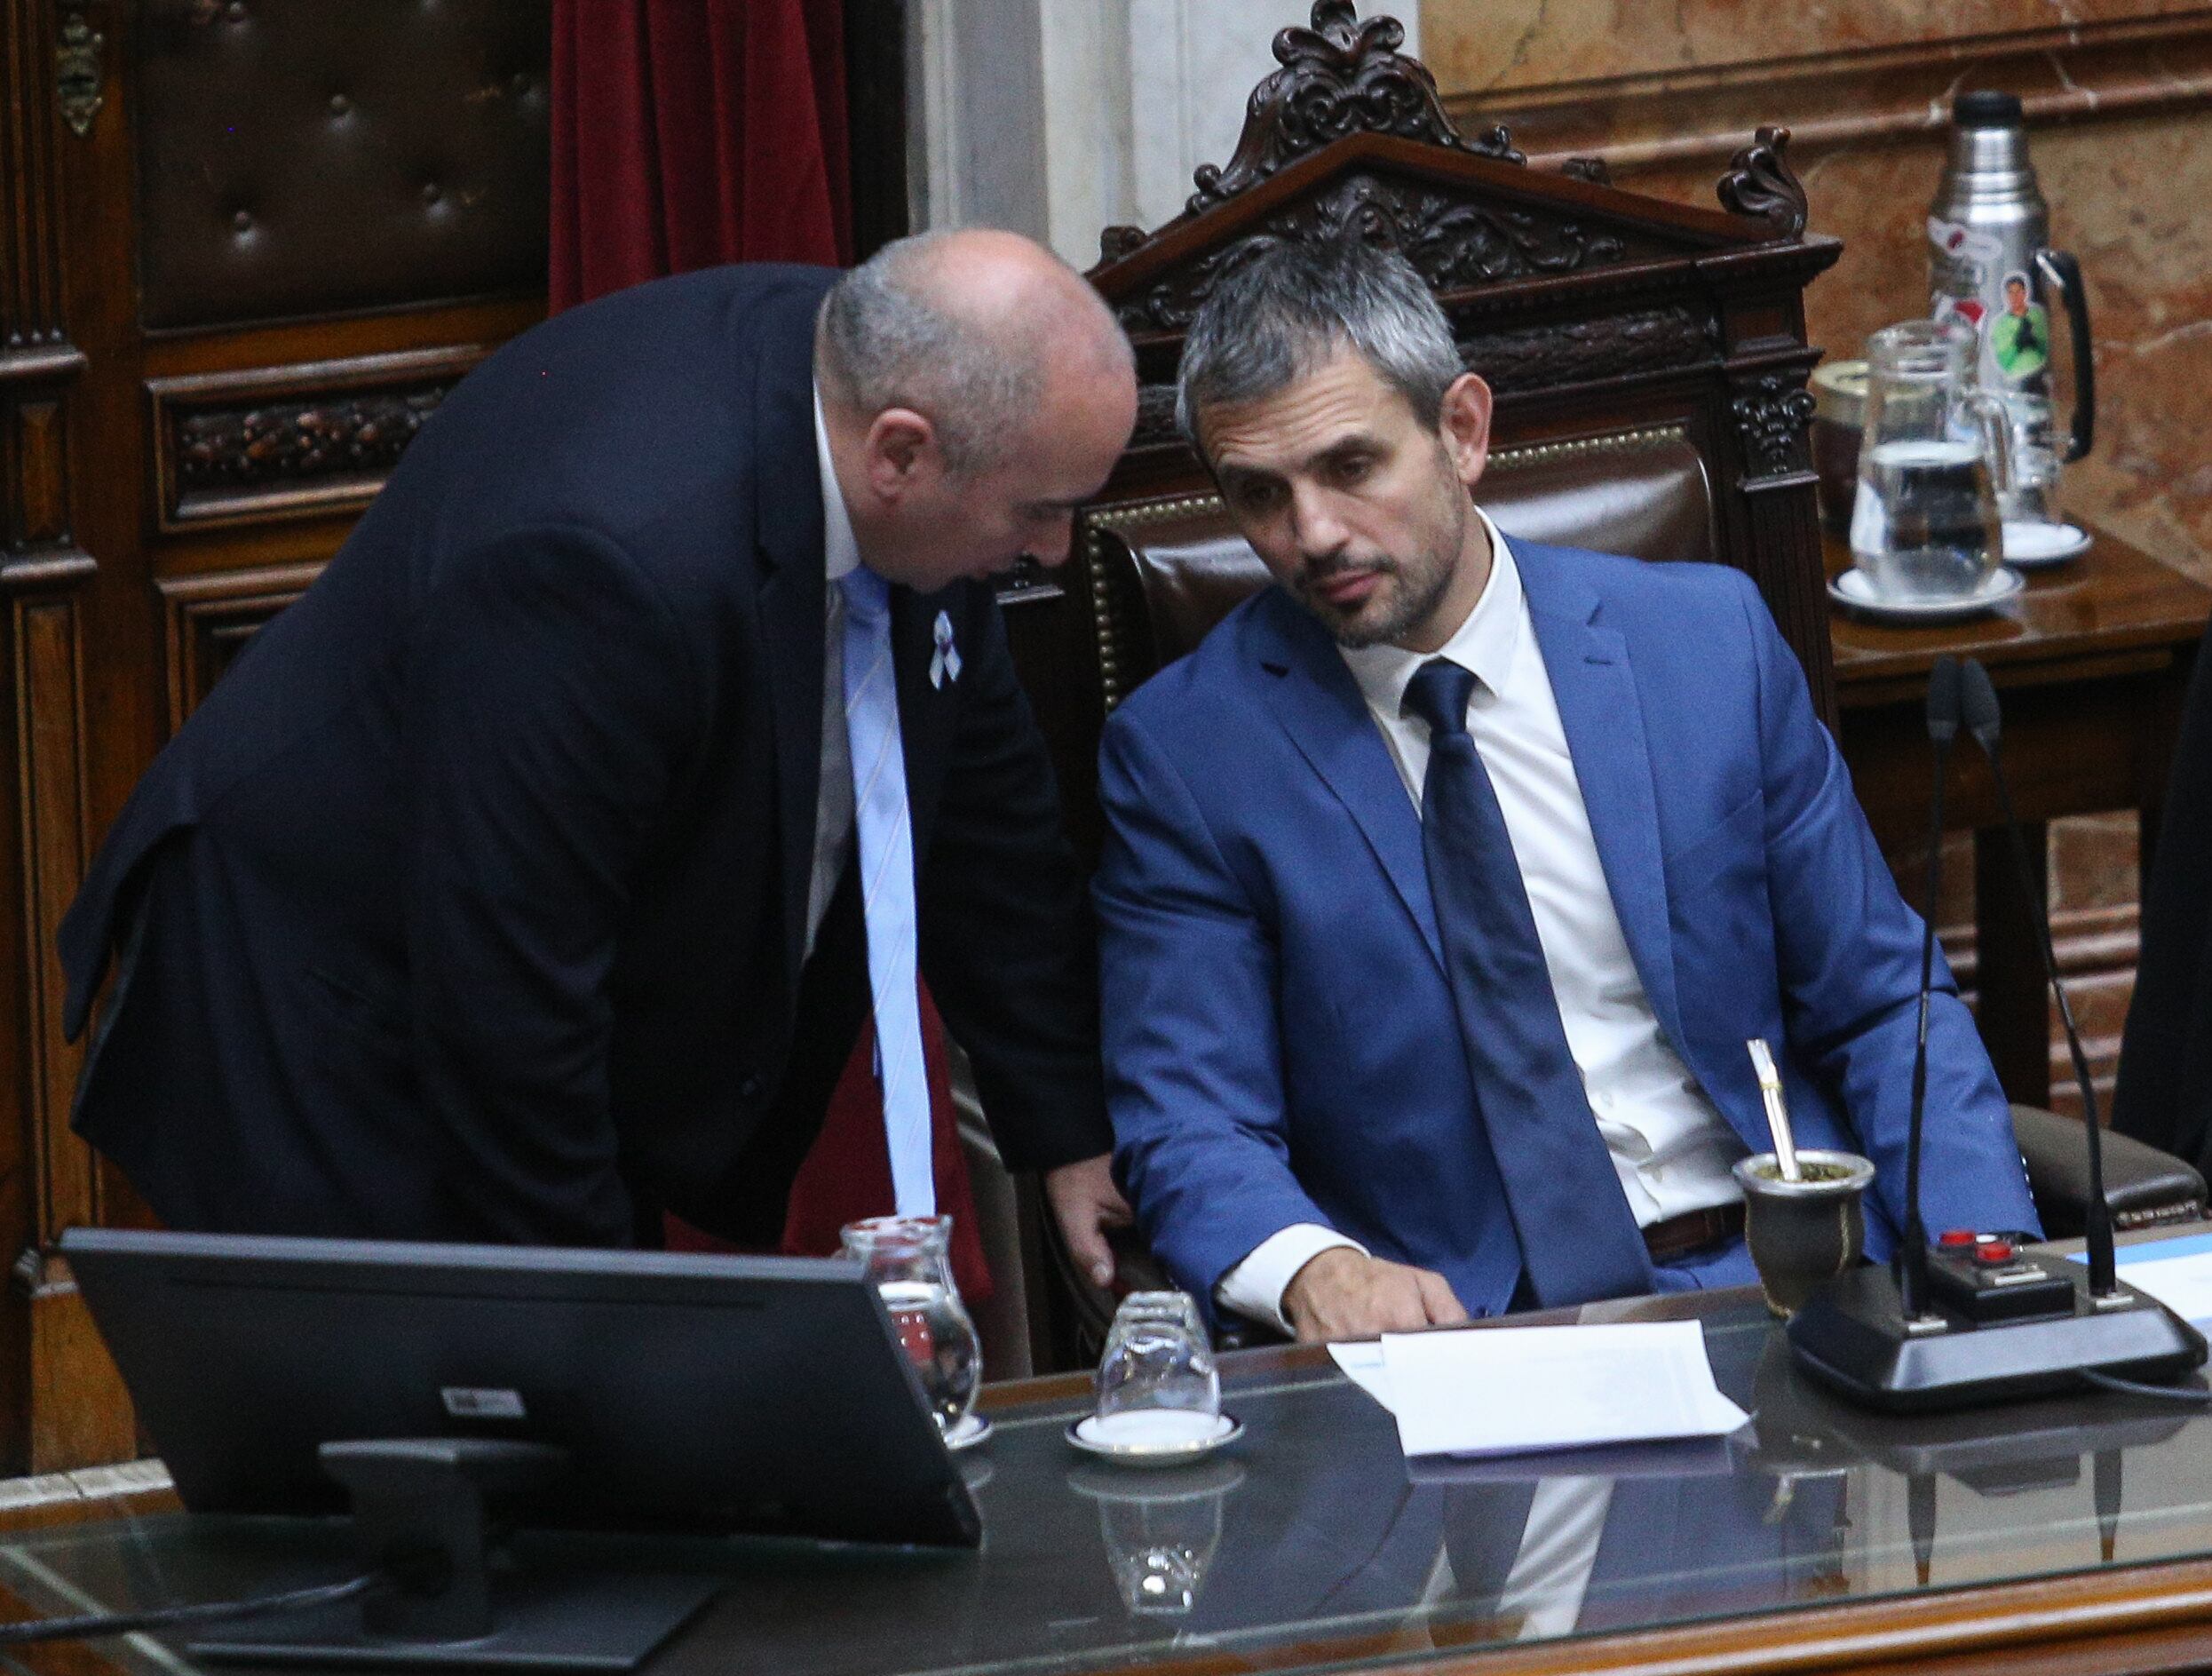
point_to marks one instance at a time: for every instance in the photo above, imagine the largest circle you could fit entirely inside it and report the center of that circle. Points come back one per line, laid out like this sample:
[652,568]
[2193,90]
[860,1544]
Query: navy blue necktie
[1578,1239]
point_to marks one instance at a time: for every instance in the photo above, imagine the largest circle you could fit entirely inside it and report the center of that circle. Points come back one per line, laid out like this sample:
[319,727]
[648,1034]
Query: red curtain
[690,132]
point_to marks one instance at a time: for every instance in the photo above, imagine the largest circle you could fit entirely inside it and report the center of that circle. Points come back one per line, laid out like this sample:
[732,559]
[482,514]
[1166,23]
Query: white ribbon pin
[945,664]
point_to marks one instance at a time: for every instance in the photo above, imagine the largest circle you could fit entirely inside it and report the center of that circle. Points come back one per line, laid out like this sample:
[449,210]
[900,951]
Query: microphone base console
[2020,1325]
[1991,1279]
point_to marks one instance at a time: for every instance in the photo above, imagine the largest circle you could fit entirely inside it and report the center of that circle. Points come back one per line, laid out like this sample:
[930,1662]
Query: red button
[1956,1236]
[1994,1251]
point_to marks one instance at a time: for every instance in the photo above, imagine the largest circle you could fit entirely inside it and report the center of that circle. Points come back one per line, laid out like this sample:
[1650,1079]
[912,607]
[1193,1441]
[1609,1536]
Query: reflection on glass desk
[1311,1542]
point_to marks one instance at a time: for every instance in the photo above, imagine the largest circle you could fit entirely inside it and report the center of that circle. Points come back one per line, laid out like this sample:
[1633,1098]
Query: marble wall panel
[2119,94]
[1479,45]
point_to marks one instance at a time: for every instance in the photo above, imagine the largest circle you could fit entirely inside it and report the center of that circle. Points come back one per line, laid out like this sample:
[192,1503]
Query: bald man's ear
[1465,424]
[901,446]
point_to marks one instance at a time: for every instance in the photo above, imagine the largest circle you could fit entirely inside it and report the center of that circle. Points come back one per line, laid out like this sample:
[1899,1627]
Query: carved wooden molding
[1759,184]
[80,73]
[37,358]
[208,620]
[1455,244]
[1338,77]
[278,442]
[1669,338]
[30,255]
[1543,356]
[1770,416]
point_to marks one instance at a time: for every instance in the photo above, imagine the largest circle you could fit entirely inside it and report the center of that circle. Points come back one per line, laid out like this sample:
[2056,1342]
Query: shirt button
[749,1087]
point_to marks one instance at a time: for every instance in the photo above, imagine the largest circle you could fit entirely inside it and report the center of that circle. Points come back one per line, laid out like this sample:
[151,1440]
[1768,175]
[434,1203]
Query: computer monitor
[604,1390]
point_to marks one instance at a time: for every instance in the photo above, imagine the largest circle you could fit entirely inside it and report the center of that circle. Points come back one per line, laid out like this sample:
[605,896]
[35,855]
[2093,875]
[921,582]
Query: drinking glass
[2037,456]
[1934,455]
[907,1258]
[1157,1382]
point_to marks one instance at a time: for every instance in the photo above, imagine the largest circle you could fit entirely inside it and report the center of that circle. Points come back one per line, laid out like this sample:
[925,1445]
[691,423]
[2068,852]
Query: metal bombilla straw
[1777,1114]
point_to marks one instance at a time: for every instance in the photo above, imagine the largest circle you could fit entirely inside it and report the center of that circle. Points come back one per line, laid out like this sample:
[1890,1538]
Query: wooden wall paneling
[210,618]
[57,73]
[211,471]
[303,440]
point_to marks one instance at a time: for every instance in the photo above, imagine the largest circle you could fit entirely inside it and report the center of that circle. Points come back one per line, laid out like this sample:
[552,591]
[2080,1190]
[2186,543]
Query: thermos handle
[2064,275]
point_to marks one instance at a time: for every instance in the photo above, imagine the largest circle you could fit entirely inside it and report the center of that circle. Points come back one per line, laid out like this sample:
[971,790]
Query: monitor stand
[419,1514]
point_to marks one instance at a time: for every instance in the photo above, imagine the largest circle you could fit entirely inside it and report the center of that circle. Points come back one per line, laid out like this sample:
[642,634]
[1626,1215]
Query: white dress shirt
[1670,1148]
[833,795]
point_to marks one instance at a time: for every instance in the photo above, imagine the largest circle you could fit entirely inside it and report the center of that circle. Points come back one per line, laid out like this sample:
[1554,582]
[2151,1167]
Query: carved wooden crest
[1349,138]
[1338,77]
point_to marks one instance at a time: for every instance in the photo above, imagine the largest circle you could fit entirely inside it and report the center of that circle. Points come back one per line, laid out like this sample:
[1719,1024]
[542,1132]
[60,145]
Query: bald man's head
[973,328]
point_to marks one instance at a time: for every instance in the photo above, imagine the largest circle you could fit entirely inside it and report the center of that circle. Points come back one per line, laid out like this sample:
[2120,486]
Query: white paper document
[1509,1390]
[2176,1271]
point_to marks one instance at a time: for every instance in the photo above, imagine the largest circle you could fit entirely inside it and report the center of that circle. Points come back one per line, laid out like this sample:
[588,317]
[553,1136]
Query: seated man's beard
[1410,593]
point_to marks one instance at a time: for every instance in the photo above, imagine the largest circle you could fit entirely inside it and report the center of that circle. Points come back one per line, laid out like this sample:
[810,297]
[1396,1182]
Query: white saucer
[1851,589]
[1165,1437]
[2030,545]
[970,1431]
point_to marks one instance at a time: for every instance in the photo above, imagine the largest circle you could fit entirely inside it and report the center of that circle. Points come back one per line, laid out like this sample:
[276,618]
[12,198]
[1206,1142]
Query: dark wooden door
[246,246]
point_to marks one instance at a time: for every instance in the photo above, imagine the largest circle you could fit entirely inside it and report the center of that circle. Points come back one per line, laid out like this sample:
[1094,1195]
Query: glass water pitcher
[1933,458]
[908,1258]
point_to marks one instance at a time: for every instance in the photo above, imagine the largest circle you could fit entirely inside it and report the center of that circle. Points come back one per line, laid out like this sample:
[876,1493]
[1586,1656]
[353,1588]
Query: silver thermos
[1991,265]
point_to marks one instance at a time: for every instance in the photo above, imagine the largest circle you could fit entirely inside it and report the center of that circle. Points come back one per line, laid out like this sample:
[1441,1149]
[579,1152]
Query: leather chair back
[1166,571]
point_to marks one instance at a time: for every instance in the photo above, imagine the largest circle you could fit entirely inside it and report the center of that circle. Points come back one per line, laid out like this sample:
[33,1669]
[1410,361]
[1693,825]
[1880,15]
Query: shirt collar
[1488,643]
[840,551]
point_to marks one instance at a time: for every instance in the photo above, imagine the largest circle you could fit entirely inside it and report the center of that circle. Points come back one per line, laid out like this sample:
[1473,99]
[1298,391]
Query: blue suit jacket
[1280,1038]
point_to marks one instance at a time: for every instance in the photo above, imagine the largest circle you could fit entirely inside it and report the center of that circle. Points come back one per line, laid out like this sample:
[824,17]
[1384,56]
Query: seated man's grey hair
[1274,318]
[892,334]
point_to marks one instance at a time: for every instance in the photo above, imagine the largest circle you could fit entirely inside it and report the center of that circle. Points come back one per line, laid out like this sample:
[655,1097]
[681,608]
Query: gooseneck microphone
[1945,709]
[1980,712]
[1983,1319]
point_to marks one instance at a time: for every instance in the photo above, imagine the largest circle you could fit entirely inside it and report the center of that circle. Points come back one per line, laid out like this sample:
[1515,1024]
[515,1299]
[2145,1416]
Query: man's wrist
[1257,1286]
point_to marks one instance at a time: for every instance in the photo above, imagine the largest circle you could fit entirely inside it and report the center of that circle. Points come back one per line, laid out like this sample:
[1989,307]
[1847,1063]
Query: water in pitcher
[933,1327]
[1920,528]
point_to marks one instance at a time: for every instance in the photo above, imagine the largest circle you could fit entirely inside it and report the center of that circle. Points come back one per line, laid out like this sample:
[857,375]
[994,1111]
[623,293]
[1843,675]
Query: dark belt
[1693,1231]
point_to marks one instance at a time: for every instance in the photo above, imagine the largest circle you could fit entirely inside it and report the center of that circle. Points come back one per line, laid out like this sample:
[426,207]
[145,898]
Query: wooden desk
[2070,1537]
[2090,662]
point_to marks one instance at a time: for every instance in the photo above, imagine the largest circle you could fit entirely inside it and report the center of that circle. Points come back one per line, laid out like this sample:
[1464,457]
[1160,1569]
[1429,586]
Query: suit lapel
[1593,686]
[1320,706]
[787,529]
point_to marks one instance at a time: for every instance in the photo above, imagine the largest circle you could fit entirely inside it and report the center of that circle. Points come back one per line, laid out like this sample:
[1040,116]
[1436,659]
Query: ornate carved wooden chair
[1649,360]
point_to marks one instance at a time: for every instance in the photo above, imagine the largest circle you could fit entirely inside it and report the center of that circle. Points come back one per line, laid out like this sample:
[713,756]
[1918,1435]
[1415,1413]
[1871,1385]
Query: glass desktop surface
[1312,1542]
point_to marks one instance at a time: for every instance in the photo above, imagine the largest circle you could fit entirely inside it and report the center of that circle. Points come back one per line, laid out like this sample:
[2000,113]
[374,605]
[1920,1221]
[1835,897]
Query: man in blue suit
[1446,882]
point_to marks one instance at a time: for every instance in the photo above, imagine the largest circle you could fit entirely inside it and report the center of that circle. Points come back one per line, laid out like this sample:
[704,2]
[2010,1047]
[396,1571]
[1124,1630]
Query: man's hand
[1086,1202]
[1347,1294]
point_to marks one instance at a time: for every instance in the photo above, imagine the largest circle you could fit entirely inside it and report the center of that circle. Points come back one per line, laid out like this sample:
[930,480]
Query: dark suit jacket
[470,904]
[2164,1091]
